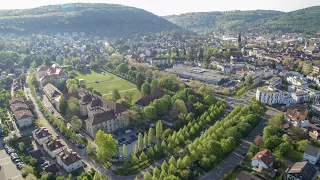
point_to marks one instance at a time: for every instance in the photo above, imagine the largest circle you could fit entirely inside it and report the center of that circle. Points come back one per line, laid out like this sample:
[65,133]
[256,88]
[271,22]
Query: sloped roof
[23,114]
[101,117]
[16,100]
[265,156]
[146,100]
[19,107]
[312,150]
[303,170]
[68,156]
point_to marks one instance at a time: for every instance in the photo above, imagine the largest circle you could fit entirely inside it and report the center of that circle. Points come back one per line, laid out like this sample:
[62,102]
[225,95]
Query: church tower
[239,41]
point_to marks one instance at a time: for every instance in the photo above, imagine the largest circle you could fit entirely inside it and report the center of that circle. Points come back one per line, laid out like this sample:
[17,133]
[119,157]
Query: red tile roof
[68,156]
[265,156]
[297,112]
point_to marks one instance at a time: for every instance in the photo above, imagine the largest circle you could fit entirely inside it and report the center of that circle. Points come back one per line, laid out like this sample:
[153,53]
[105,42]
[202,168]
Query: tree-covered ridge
[228,19]
[301,21]
[91,18]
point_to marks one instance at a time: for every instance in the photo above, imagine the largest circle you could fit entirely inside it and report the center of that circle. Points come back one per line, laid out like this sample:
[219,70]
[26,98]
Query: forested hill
[227,20]
[91,18]
[302,21]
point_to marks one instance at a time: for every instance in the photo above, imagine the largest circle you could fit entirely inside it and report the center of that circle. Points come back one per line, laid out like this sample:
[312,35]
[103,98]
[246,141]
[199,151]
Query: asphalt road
[82,152]
[238,155]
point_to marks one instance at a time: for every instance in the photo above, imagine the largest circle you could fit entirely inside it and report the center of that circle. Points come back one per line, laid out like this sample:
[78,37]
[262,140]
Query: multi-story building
[41,134]
[53,94]
[271,95]
[52,146]
[24,118]
[102,114]
[275,82]
[69,160]
[51,74]
[297,81]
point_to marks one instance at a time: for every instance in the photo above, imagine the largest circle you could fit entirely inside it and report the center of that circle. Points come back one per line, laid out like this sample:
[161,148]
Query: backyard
[105,82]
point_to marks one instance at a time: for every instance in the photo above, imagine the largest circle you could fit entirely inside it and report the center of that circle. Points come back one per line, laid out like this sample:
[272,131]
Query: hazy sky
[167,7]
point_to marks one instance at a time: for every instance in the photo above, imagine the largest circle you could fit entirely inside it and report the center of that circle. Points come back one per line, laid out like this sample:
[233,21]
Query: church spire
[239,37]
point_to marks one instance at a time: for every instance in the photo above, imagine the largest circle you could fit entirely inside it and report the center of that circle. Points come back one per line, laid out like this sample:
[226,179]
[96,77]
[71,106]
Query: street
[82,152]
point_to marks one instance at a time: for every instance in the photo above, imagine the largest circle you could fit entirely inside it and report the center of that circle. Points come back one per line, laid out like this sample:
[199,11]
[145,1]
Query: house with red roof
[69,160]
[263,160]
[297,115]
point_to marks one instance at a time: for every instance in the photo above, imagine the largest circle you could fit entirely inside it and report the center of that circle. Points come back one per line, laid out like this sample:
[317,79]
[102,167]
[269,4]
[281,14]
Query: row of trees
[167,141]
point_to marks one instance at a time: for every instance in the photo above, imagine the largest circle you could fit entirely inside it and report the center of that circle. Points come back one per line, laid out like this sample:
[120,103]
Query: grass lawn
[93,75]
[136,95]
[110,82]
[294,155]
[234,174]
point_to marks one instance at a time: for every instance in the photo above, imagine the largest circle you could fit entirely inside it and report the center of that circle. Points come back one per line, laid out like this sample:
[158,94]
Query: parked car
[45,164]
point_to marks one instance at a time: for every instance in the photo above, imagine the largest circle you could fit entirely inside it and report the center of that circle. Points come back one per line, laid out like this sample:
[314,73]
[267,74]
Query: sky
[169,7]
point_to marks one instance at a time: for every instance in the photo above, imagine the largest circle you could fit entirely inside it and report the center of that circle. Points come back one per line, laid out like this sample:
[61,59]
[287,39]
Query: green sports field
[105,82]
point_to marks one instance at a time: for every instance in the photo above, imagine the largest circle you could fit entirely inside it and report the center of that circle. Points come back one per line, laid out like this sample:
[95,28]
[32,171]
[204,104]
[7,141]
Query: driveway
[8,169]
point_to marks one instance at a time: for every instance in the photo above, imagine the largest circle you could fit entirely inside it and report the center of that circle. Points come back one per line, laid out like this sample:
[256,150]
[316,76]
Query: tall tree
[76,123]
[107,146]
[116,94]
[62,105]
[140,80]
[150,135]
[145,139]
[180,106]
[146,88]
[124,151]
[140,142]
[159,130]
[150,112]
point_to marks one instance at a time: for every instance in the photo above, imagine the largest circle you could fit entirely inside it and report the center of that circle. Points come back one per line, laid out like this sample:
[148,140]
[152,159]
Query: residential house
[263,160]
[41,134]
[146,100]
[24,118]
[69,160]
[302,171]
[53,94]
[311,154]
[16,101]
[244,175]
[52,146]
[297,115]
[19,107]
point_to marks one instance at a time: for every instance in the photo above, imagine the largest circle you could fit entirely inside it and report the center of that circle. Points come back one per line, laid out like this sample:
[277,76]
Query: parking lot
[8,168]
[130,139]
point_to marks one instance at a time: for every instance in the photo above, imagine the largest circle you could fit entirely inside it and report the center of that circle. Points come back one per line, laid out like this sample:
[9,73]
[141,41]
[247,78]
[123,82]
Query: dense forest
[96,19]
[226,20]
[301,21]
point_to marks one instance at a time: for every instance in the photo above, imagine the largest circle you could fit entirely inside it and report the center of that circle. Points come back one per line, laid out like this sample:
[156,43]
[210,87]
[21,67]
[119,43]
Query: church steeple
[239,41]
[239,38]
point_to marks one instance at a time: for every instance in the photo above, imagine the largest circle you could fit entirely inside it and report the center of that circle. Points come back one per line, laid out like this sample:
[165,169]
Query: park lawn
[107,87]
[294,155]
[93,75]
[136,95]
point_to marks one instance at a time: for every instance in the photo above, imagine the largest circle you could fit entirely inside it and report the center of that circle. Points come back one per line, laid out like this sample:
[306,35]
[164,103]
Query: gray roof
[303,170]
[312,150]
